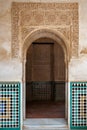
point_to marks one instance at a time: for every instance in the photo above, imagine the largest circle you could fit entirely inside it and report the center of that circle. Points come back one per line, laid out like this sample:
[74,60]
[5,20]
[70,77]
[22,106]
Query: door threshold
[45,123]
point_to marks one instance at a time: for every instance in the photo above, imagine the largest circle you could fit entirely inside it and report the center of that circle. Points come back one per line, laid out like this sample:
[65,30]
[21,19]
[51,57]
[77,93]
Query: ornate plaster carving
[84,51]
[26,17]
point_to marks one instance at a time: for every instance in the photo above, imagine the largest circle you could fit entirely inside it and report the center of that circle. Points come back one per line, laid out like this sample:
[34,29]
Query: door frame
[59,39]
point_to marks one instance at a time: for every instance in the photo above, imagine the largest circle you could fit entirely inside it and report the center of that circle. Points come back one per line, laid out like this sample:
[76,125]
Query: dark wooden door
[42,88]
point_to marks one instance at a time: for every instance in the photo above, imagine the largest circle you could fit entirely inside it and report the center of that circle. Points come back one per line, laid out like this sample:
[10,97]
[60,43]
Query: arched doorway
[57,38]
[45,80]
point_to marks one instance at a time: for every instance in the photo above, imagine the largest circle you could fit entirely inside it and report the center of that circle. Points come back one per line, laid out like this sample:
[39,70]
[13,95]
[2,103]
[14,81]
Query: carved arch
[56,37]
[47,33]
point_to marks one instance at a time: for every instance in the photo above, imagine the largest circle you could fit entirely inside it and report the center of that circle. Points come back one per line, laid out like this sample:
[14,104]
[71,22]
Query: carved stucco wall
[11,68]
[61,17]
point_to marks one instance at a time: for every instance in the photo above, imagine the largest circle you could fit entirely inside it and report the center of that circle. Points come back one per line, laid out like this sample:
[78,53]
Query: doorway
[45,80]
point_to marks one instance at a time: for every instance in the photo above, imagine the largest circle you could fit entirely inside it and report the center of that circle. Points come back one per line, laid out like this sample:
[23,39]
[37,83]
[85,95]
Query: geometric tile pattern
[9,106]
[78,105]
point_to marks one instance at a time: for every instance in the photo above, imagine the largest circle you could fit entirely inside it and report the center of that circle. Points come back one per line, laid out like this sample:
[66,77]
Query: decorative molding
[27,17]
[84,51]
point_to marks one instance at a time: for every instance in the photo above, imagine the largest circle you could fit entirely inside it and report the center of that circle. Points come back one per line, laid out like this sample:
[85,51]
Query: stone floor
[45,109]
[45,116]
[45,124]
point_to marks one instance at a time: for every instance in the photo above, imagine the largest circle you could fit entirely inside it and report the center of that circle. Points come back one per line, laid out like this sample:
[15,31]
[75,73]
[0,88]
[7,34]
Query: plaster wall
[11,70]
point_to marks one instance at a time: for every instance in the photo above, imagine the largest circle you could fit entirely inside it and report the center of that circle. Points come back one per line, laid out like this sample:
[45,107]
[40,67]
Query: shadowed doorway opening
[45,80]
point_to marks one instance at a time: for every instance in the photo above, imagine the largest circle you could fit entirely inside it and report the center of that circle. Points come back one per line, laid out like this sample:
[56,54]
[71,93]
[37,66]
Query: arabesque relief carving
[83,51]
[27,17]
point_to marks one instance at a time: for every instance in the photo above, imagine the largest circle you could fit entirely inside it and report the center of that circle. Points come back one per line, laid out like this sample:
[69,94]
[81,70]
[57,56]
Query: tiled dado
[78,105]
[9,106]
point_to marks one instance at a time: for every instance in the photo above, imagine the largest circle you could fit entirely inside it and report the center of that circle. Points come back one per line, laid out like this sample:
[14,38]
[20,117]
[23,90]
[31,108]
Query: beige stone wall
[12,69]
